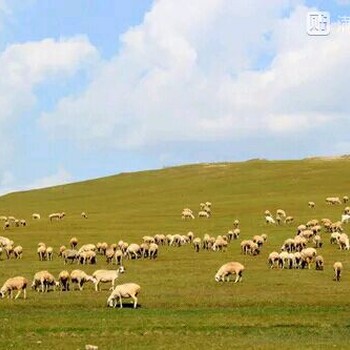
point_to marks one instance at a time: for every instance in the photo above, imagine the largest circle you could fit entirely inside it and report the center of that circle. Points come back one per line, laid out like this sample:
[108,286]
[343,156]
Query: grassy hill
[182,307]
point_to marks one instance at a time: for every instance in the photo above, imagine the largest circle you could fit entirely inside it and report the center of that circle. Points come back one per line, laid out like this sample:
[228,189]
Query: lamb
[337,268]
[231,268]
[107,276]
[80,277]
[36,216]
[73,242]
[311,205]
[127,290]
[15,283]
[63,280]
[44,279]
[319,262]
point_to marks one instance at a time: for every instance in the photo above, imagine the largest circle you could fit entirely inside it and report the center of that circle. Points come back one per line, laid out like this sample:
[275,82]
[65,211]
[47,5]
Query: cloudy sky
[90,88]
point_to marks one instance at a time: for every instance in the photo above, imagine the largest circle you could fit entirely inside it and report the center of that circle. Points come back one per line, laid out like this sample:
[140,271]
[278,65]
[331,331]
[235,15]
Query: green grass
[182,307]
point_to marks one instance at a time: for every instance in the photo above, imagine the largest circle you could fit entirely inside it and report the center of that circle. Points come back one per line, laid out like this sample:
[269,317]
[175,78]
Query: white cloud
[191,75]
[23,67]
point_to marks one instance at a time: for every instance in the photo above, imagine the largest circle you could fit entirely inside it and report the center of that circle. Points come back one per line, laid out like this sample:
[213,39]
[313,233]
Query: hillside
[179,298]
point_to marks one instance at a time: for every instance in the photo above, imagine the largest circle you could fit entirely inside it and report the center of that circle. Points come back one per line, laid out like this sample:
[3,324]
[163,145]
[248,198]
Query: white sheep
[15,283]
[333,200]
[281,212]
[289,219]
[337,268]
[107,276]
[70,255]
[231,268]
[273,259]
[153,250]
[73,242]
[84,215]
[311,205]
[345,199]
[127,290]
[45,280]
[203,214]
[345,218]
[63,280]
[343,242]
[80,277]
[196,244]
[118,256]
[308,255]
[269,220]
[18,252]
[133,251]
[319,262]
[36,216]
[56,216]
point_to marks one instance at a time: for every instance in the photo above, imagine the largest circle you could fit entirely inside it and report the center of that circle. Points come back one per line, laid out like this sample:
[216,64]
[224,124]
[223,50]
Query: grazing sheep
[153,250]
[22,222]
[3,218]
[127,290]
[337,268]
[308,255]
[107,276]
[220,244]
[15,283]
[118,256]
[55,216]
[264,237]
[319,262]
[73,242]
[187,214]
[334,237]
[345,218]
[333,200]
[84,215]
[197,244]
[343,242]
[267,213]
[87,257]
[110,252]
[311,205]
[41,252]
[18,252]
[269,220]
[159,239]
[7,225]
[190,236]
[133,251]
[49,253]
[36,216]
[80,277]
[63,280]
[231,268]
[273,260]
[87,247]
[317,241]
[281,212]
[249,247]
[289,219]
[288,245]
[70,255]
[144,250]
[45,280]
[259,240]
[345,199]
[347,210]
[203,214]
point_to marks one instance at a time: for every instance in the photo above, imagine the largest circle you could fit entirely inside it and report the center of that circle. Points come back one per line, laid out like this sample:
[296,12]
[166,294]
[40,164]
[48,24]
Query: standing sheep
[106,276]
[63,280]
[231,268]
[127,290]
[15,283]
[337,268]
[80,277]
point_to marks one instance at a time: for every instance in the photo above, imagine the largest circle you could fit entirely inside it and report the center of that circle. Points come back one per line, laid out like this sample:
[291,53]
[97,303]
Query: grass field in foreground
[181,306]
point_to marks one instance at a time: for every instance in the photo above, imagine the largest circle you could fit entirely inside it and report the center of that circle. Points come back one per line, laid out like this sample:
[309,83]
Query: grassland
[182,307]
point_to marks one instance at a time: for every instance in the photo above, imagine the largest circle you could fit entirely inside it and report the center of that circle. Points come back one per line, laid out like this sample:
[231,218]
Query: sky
[91,88]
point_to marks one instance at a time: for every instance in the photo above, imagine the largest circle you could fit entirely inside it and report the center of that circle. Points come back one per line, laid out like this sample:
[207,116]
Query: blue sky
[91,88]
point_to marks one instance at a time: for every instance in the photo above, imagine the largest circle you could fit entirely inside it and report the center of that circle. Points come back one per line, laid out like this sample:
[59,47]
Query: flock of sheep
[295,252]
